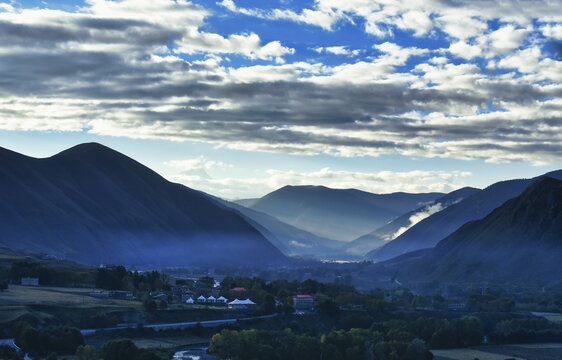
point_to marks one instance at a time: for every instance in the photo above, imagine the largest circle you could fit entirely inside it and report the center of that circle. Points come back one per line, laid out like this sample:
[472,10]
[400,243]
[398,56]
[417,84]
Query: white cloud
[464,50]
[337,50]
[378,182]
[552,31]
[417,217]
[195,164]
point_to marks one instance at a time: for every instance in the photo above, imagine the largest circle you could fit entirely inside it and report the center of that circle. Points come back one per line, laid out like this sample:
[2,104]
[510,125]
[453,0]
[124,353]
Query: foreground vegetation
[345,323]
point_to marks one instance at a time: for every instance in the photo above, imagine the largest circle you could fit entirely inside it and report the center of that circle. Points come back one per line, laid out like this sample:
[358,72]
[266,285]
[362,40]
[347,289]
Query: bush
[8,353]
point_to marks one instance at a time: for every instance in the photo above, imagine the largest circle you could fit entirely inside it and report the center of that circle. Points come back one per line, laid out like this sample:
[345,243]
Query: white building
[241,304]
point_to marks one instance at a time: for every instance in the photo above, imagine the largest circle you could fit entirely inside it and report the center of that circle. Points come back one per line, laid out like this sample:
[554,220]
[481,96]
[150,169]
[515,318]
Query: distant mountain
[94,205]
[519,242]
[393,229]
[428,232]
[287,238]
[336,214]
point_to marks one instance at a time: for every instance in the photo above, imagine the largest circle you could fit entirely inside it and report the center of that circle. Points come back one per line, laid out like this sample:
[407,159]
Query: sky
[240,97]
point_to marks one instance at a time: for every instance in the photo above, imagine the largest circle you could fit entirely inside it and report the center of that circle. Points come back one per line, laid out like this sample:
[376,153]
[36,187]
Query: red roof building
[303,302]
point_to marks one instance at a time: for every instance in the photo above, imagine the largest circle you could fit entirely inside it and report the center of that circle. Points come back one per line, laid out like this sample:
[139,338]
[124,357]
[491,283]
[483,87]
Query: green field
[502,352]
[55,304]
[62,296]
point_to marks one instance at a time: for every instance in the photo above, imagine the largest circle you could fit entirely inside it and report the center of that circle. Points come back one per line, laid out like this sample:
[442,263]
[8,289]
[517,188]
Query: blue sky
[240,97]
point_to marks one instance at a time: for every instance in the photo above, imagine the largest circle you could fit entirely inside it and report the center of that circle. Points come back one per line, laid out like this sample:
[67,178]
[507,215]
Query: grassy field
[469,354]
[54,304]
[550,351]
[151,341]
[44,295]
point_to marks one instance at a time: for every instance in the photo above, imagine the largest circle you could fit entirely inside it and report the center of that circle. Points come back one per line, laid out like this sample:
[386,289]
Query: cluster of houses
[221,300]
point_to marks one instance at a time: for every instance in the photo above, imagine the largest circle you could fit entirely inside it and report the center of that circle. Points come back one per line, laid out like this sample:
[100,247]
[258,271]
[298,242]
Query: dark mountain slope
[334,213]
[521,241]
[92,204]
[289,239]
[428,232]
[388,232]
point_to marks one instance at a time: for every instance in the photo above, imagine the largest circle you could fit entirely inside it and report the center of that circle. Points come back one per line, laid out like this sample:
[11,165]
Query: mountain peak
[87,148]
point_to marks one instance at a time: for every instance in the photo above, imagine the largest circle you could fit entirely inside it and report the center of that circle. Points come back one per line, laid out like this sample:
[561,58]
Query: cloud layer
[153,69]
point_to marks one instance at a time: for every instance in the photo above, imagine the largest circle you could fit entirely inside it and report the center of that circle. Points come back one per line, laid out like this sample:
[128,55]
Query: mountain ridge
[90,197]
[428,232]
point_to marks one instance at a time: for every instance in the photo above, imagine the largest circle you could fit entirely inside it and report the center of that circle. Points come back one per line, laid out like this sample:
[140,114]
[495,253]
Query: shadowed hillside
[521,241]
[393,229]
[94,205]
[428,232]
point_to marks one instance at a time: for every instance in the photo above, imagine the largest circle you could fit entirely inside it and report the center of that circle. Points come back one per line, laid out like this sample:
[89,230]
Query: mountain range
[519,242]
[94,205]
[428,232]
[337,214]
[386,233]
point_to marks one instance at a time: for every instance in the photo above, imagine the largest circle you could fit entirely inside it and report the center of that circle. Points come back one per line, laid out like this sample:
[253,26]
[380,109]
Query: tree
[86,352]
[269,304]
[119,350]
[149,305]
[8,353]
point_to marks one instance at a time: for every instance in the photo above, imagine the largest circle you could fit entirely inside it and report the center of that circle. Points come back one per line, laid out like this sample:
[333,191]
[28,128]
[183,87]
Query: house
[241,304]
[121,295]
[27,281]
[303,302]
[201,300]
[189,301]
[211,299]
[222,300]
[185,295]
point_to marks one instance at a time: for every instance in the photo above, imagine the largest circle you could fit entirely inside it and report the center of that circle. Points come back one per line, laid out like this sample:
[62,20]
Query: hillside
[393,229]
[521,241]
[94,205]
[339,214]
[428,232]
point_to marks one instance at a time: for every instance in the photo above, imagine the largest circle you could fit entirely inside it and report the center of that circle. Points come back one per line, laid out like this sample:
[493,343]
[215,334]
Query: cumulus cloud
[337,50]
[152,69]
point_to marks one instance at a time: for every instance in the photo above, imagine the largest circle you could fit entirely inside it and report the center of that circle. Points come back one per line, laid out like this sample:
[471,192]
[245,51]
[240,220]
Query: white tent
[201,299]
[248,302]
[211,299]
[189,301]
[222,299]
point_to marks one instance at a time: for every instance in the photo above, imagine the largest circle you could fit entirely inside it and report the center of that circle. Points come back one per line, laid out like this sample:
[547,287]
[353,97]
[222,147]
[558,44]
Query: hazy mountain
[393,229]
[521,241]
[287,238]
[428,232]
[334,213]
[94,205]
